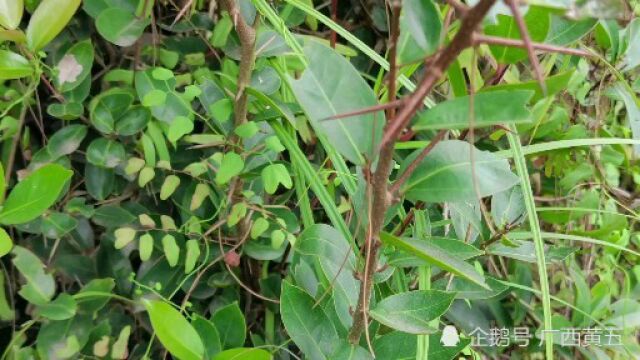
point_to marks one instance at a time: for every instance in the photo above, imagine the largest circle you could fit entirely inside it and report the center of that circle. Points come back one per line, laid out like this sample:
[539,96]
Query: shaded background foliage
[146,213]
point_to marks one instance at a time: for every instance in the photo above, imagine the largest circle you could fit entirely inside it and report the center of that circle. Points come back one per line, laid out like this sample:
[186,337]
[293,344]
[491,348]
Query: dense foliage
[243,179]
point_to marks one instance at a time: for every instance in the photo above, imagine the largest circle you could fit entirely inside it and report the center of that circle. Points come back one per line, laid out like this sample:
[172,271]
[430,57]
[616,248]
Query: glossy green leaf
[49,19]
[209,335]
[75,66]
[133,121]
[174,331]
[412,311]
[106,108]
[229,320]
[14,66]
[307,324]
[490,108]
[11,13]
[420,28]
[35,194]
[6,244]
[106,153]
[120,26]
[445,258]
[40,286]
[244,354]
[331,86]
[445,174]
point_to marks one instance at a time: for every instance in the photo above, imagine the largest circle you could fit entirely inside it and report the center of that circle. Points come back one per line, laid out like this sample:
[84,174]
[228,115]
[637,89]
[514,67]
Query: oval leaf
[412,311]
[174,331]
[35,194]
[48,20]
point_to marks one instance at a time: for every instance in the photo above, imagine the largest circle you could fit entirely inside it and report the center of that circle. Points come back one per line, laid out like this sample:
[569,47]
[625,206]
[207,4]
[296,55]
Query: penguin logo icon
[450,337]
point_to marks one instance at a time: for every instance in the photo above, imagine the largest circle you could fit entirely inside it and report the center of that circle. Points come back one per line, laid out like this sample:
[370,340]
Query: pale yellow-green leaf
[11,13]
[49,19]
[124,236]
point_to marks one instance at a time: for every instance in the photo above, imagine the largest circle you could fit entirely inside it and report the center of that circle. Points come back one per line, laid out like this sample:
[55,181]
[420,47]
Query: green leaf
[631,57]
[412,311]
[145,246]
[331,86]
[230,166]
[445,174]
[106,153]
[6,244]
[221,31]
[537,21]
[307,324]
[554,84]
[146,174]
[260,225]
[62,308]
[180,127]
[75,66]
[174,331]
[244,354]
[230,323]
[11,13]
[490,108]
[420,27]
[436,254]
[124,236]
[56,225]
[169,185]
[275,174]
[13,66]
[64,142]
[191,258]
[91,297]
[209,335]
[333,253]
[133,121]
[199,195]
[565,31]
[171,249]
[154,97]
[108,107]
[50,17]
[120,26]
[35,194]
[40,286]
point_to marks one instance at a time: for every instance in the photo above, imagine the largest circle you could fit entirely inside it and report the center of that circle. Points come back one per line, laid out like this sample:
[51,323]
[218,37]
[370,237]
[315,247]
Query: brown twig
[526,38]
[367,110]
[379,181]
[247,35]
[461,41]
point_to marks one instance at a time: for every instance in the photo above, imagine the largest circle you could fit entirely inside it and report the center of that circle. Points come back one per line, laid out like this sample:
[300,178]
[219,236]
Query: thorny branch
[381,199]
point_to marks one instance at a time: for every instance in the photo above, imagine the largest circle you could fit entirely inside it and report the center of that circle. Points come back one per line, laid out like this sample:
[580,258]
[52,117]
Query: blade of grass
[557,236]
[298,157]
[534,224]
